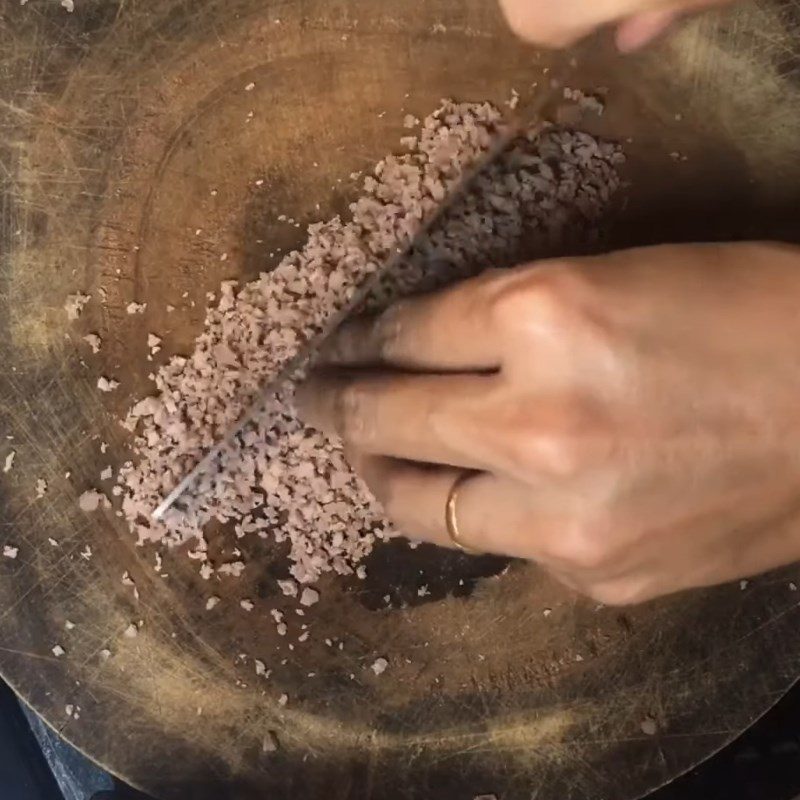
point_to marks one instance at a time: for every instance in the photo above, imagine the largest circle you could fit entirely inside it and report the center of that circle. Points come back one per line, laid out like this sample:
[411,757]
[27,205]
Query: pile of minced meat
[279,479]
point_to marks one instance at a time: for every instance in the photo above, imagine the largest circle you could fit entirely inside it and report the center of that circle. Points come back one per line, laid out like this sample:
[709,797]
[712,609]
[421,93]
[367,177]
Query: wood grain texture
[125,131]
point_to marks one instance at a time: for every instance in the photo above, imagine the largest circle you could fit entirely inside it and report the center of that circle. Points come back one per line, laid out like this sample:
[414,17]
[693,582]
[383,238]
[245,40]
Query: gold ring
[451,517]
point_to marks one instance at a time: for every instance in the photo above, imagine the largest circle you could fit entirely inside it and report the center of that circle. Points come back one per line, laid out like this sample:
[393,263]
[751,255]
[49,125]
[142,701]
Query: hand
[633,420]
[557,24]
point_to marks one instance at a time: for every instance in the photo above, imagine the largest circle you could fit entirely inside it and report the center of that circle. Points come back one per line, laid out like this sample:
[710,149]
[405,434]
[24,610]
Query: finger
[420,418]
[634,33]
[494,514]
[446,331]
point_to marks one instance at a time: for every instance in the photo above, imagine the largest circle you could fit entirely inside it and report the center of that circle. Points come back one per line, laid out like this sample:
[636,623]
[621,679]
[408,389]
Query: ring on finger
[451,513]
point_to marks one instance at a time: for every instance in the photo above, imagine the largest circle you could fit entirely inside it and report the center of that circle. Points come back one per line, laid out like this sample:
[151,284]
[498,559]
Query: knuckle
[562,442]
[547,301]
[348,411]
[388,332]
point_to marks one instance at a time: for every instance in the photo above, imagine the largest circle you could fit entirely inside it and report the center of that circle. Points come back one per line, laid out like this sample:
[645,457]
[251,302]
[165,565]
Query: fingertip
[634,33]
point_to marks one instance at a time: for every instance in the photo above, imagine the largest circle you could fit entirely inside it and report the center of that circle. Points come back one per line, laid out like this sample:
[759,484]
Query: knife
[524,119]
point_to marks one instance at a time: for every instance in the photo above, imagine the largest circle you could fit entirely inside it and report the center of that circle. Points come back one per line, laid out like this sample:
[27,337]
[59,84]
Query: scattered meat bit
[106,384]
[513,102]
[282,629]
[270,743]
[743,584]
[10,551]
[103,447]
[247,605]
[131,632]
[94,341]
[58,651]
[69,625]
[379,666]
[107,474]
[303,636]
[105,654]
[92,500]
[74,305]
[648,726]
[423,591]
[261,667]
[206,570]
[69,709]
[52,541]
[9,461]
[86,553]
[250,86]
[410,121]
[153,343]
[586,102]
[309,597]
[212,602]
[69,5]
[289,588]
[136,308]
[233,568]
[170,309]
[41,488]
[547,612]
[792,587]
[283,699]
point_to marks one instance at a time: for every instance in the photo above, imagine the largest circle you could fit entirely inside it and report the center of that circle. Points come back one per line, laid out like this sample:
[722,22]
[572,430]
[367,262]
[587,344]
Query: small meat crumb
[107,474]
[74,305]
[9,461]
[106,384]
[41,488]
[58,651]
[309,597]
[10,551]
[648,726]
[250,86]
[94,341]
[92,500]
[68,625]
[105,654]
[131,632]
[261,667]
[379,666]
[247,605]
[289,588]
[283,699]
[410,121]
[136,308]
[212,602]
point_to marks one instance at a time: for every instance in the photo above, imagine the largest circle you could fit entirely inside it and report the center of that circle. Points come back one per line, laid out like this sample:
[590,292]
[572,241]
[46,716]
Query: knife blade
[523,121]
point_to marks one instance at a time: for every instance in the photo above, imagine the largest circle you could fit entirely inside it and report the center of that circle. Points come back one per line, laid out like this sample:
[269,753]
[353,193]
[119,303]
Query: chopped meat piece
[131,632]
[106,384]
[41,488]
[92,500]
[379,666]
[9,461]
[10,551]
[58,651]
[212,602]
[309,597]
[247,605]
[136,308]
[289,588]
[94,341]
[74,305]
[107,474]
